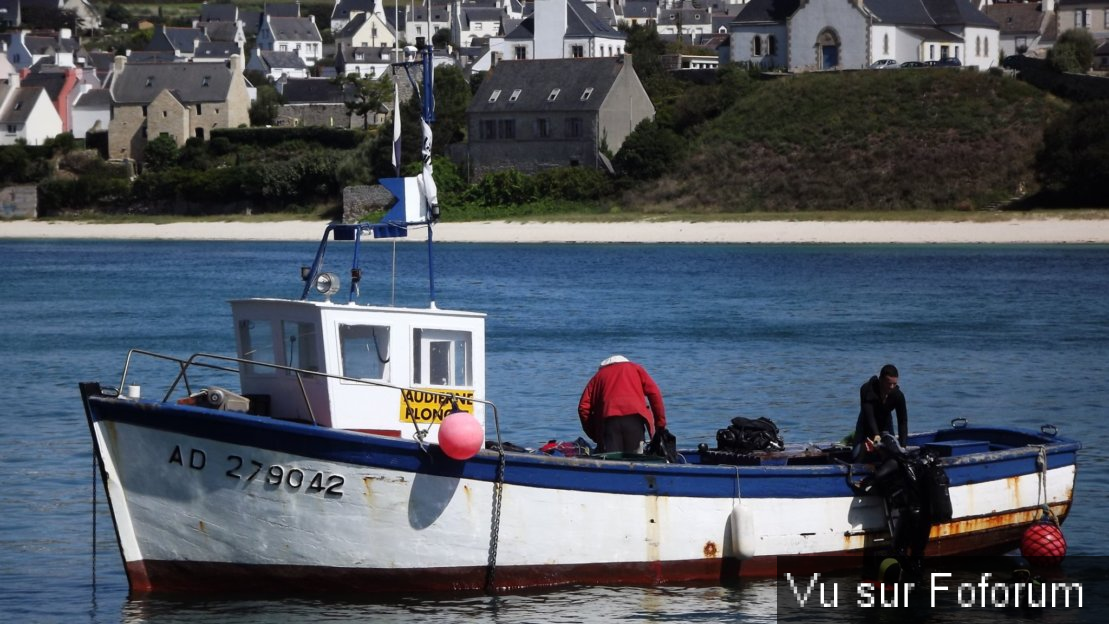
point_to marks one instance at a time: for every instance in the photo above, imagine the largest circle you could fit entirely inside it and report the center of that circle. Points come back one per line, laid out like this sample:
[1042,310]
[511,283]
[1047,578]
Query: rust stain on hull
[710,550]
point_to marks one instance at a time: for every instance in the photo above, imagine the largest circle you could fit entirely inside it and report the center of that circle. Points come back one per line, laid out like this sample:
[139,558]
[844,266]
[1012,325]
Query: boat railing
[220,363]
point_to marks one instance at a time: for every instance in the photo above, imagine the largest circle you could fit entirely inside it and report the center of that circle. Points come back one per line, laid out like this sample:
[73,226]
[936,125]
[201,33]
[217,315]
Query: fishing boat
[317,458]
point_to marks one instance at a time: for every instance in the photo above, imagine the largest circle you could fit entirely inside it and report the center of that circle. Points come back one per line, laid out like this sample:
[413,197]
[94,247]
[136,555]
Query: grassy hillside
[867,140]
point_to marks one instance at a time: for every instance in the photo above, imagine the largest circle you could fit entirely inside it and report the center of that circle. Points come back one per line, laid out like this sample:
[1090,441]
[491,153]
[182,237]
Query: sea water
[997,334]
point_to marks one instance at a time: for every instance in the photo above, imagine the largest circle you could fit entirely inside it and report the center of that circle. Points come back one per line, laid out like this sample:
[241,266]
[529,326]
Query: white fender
[741,522]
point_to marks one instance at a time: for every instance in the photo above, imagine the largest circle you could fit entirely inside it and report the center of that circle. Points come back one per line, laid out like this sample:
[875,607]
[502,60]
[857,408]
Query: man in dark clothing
[879,397]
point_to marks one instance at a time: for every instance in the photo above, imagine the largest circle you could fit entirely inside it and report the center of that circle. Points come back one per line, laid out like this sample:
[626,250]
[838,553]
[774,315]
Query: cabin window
[442,358]
[300,345]
[256,338]
[365,351]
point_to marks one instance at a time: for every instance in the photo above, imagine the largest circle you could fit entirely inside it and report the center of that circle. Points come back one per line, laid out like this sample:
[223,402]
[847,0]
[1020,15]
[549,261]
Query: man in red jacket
[613,411]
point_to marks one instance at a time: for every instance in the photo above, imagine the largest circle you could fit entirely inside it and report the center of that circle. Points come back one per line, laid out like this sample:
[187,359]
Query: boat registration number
[250,470]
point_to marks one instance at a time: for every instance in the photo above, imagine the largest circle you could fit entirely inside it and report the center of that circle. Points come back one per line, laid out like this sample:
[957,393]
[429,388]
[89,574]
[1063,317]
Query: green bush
[1073,51]
[335,138]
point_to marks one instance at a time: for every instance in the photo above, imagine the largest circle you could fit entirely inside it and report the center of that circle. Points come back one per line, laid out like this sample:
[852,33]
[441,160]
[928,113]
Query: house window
[489,129]
[506,128]
[283,48]
[515,95]
[756,46]
[573,127]
[1082,18]
[543,128]
[932,52]
[198,111]
[585,94]
[12,128]
[419,30]
[577,51]
[771,45]
[1022,44]
[886,44]
[521,53]
[985,46]
[554,95]
[977,46]
[200,133]
[496,94]
[207,79]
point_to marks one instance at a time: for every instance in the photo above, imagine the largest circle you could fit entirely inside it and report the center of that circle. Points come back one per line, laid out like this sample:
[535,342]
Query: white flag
[396,128]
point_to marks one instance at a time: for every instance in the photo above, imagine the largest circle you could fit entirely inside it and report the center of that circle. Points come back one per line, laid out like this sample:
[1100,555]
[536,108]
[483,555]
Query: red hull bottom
[229,578]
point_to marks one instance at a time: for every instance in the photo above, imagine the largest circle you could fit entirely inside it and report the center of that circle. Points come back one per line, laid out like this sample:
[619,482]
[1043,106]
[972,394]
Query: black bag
[745,435]
[663,444]
[937,491]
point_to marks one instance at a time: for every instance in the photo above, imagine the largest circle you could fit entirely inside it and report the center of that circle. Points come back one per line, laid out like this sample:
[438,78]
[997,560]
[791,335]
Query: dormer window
[150,81]
[515,95]
[496,94]
[585,94]
[554,95]
[207,79]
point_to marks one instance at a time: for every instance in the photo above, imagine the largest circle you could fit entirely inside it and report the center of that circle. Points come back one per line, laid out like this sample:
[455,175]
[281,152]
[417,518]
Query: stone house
[182,100]
[541,114]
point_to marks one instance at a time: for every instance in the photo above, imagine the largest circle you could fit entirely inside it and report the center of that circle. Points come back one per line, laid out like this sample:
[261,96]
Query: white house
[91,111]
[832,34]
[366,30]
[277,64]
[26,113]
[557,29]
[292,34]
[25,49]
[365,62]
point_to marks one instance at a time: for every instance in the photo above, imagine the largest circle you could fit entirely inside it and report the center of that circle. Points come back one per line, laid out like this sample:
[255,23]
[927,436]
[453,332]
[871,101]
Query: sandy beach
[1027,230]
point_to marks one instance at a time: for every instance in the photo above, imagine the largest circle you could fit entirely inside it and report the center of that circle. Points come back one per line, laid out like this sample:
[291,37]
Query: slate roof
[183,40]
[471,14]
[252,21]
[369,54]
[51,81]
[21,105]
[312,91]
[352,26]
[282,9]
[9,9]
[766,11]
[219,12]
[930,13]
[1016,18]
[689,17]
[39,45]
[581,21]
[344,7]
[94,98]
[219,31]
[294,29]
[274,59]
[216,49]
[536,79]
[139,83]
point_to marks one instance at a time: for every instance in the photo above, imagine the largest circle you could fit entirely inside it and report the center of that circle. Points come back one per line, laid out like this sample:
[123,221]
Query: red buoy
[1043,544]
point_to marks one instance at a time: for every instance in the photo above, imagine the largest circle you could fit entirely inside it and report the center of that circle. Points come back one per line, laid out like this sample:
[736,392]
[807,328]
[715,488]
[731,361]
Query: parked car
[912,64]
[884,64]
[949,61]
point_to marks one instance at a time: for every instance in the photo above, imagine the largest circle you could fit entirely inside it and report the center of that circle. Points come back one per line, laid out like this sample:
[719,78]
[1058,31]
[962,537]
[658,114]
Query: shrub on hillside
[1074,161]
[1073,51]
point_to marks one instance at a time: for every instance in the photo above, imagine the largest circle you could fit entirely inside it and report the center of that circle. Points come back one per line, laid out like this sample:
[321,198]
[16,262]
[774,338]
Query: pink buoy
[461,435]
[1043,544]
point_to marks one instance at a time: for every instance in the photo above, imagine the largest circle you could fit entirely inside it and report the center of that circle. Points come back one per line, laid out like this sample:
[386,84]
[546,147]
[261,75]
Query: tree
[1074,161]
[441,39]
[649,151]
[263,112]
[160,153]
[363,96]
[1073,51]
[452,98]
[117,13]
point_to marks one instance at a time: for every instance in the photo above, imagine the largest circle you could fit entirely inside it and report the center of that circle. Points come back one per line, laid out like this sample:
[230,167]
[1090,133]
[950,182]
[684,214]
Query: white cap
[615,359]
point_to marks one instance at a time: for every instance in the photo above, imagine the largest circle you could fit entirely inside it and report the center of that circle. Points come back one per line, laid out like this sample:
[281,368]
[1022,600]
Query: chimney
[236,65]
[65,33]
[1047,6]
[118,64]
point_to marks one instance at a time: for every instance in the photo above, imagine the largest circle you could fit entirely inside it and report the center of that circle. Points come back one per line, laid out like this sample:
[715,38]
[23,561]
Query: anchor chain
[495,524]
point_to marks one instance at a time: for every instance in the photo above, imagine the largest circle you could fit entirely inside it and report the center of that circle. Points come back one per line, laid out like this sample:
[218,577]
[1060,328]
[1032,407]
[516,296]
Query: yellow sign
[433,404]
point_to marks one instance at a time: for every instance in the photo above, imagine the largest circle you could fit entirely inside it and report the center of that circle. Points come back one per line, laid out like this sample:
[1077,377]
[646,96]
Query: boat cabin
[383,370]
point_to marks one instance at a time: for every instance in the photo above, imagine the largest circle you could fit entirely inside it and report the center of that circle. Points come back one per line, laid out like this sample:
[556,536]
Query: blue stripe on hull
[532,470]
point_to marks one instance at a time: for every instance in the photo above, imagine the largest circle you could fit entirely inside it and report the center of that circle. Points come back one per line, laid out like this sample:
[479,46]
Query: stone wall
[19,202]
[360,202]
